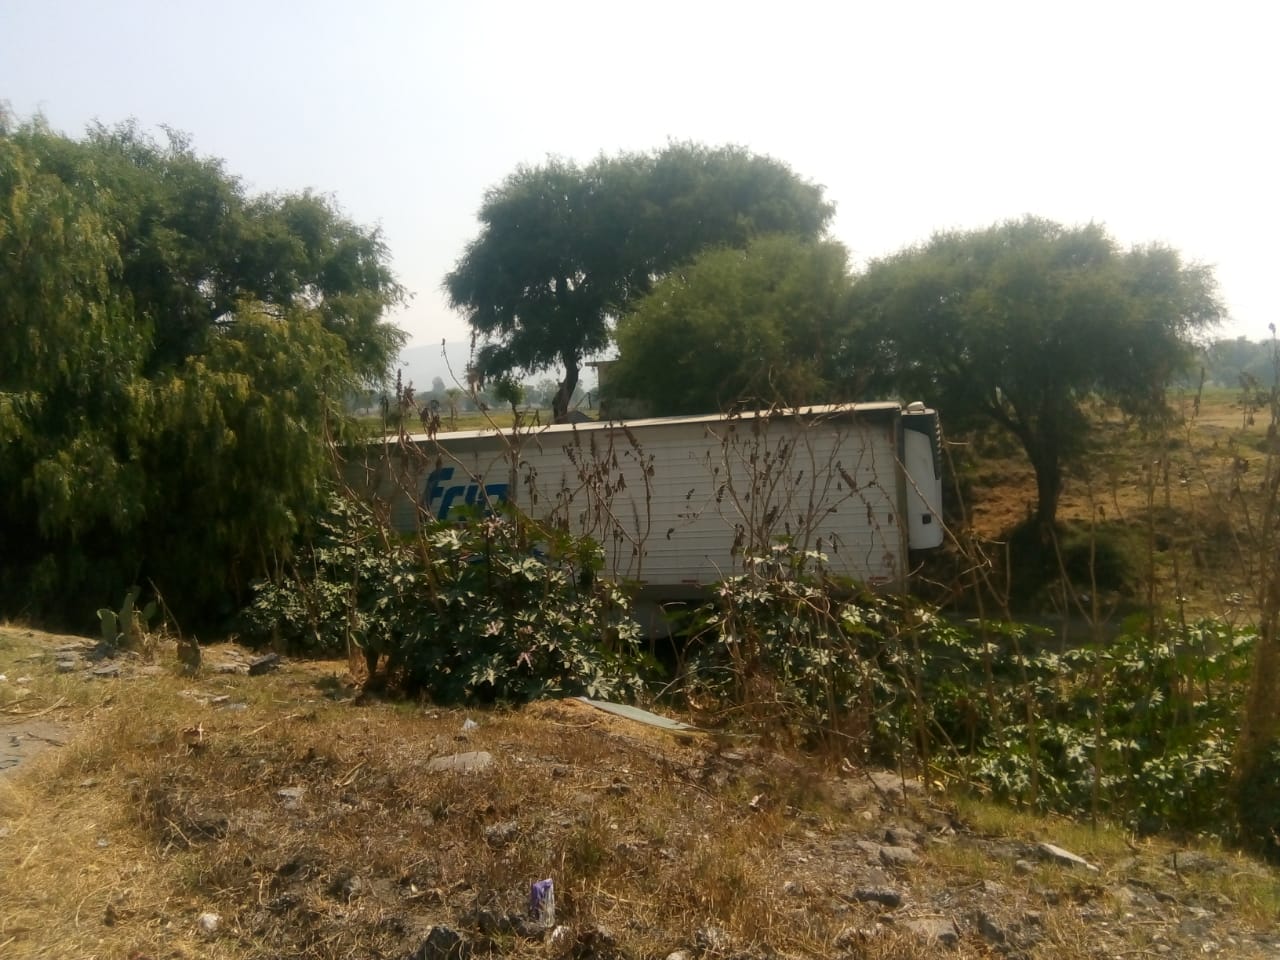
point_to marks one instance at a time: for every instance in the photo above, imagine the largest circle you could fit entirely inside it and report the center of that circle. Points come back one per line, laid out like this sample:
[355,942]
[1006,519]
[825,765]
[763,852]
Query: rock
[712,940]
[851,937]
[500,834]
[596,943]
[472,762]
[442,943]
[264,664]
[1024,867]
[900,837]
[679,955]
[1064,858]
[107,670]
[492,922]
[990,928]
[884,896]
[346,886]
[897,856]
[934,930]
[208,923]
[66,666]
[1193,861]
[891,784]
[292,796]
[560,942]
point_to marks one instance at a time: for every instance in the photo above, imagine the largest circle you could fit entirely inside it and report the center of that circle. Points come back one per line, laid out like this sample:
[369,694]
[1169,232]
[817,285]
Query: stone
[934,930]
[208,923]
[885,896]
[900,837]
[596,943]
[560,942]
[891,784]
[442,943]
[712,940]
[107,670]
[679,955]
[471,762]
[1063,858]
[1193,861]
[65,666]
[501,834]
[1023,867]
[264,664]
[990,928]
[897,856]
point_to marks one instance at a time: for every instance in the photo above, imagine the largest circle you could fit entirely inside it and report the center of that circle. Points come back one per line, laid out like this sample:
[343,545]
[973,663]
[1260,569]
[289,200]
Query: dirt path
[20,740]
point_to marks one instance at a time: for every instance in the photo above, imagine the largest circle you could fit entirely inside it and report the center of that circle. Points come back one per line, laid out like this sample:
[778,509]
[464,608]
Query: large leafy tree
[563,249]
[173,354]
[1018,324]
[759,325]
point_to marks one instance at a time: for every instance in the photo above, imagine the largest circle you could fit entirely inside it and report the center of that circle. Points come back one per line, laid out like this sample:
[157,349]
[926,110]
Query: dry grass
[1174,500]
[166,803]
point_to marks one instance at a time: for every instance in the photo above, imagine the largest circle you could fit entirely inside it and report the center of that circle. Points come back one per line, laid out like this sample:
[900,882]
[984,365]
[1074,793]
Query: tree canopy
[1018,324]
[173,353]
[564,249]
[760,325]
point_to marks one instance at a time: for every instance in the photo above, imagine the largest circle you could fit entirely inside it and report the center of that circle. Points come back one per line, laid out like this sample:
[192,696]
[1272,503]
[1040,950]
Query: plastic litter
[542,902]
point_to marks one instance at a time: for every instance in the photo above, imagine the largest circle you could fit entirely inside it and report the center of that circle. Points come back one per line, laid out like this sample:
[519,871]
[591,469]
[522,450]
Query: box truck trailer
[679,503]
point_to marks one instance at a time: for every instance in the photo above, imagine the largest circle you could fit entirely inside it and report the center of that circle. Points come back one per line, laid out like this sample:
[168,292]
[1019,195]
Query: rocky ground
[283,814]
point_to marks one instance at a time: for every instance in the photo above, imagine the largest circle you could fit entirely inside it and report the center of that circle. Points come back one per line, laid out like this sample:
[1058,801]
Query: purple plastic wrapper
[542,901]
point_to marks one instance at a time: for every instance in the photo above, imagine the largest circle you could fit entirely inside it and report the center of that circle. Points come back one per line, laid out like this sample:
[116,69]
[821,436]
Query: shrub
[490,607]
[1140,729]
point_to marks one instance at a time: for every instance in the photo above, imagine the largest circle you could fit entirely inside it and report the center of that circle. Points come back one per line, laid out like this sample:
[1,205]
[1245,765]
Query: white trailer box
[679,502]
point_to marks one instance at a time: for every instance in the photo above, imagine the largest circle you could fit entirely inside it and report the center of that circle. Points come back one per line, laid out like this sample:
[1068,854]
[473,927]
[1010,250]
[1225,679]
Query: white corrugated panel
[680,502]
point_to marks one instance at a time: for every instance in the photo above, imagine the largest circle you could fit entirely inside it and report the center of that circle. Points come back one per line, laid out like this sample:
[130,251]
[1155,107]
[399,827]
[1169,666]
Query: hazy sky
[1156,119]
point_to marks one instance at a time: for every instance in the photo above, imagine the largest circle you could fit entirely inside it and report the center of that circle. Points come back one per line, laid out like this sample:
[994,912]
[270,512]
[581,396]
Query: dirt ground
[233,816]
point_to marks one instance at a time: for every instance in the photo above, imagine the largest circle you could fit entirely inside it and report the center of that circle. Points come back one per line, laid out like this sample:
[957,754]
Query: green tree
[173,355]
[760,325]
[1017,324]
[564,249]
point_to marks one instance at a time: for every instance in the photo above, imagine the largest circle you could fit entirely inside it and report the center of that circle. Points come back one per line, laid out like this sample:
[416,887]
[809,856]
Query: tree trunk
[1048,468]
[1048,490]
[564,393]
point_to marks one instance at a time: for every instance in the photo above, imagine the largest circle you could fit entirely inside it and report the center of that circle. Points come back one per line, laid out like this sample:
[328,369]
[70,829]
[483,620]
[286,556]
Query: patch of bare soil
[24,739]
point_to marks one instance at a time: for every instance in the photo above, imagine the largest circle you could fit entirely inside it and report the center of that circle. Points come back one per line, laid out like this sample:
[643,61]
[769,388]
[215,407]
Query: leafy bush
[1140,729]
[486,608]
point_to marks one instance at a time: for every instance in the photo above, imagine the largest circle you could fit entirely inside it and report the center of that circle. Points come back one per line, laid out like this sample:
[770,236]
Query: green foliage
[563,248]
[124,627]
[1140,729]
[761,325]
[1019,324]
[172,358]
[1104,556]
[488,608]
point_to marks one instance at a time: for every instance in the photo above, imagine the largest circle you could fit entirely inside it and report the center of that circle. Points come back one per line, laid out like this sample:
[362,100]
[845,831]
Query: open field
[1172,505]
[300,819]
